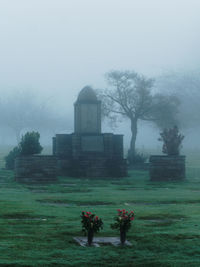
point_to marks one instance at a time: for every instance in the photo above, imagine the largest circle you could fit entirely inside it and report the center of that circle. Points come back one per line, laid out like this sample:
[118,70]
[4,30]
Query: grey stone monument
[87,152]
[87,112]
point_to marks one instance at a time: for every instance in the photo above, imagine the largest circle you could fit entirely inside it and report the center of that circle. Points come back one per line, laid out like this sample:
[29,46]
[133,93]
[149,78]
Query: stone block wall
[98,167]
[89,167]
[118,146]
[62,145]
[35,168]
[167,168]
[90,155]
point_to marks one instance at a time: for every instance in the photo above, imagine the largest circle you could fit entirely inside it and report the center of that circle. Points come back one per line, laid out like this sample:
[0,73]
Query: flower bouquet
[90,224]
[123,223]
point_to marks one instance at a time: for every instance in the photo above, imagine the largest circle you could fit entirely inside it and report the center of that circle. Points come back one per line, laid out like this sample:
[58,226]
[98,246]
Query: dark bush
[136,158]
[172,141]
[10,158]
[30,144]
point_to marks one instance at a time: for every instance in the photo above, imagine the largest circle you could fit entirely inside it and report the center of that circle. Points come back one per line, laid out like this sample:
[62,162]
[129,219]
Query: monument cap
[87,94]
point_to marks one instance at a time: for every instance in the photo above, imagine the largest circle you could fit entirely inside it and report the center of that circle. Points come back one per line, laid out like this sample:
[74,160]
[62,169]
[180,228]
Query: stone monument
[87,152]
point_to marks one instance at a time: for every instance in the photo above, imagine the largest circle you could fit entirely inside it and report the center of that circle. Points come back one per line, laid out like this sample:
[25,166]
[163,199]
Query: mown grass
[38,221]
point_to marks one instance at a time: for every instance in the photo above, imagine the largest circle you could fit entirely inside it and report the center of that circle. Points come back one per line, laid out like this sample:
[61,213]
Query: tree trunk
[133,136]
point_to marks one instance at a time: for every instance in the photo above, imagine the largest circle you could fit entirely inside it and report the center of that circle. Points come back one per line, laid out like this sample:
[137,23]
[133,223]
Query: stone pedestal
[167,168]
[90,155]
[36,168]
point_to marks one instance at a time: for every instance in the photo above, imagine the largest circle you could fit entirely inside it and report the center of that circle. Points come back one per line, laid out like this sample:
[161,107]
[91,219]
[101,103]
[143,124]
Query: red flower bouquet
[90,224]
[123,223]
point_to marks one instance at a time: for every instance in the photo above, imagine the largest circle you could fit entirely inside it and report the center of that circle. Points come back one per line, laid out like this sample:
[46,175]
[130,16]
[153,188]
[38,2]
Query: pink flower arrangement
[90,222]
[123,220]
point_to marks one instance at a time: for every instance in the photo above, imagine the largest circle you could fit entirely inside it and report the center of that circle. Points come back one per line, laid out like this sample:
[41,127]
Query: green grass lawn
[38,221]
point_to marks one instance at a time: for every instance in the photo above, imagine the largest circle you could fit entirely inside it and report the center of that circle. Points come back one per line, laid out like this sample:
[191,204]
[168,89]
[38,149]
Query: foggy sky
[56,47]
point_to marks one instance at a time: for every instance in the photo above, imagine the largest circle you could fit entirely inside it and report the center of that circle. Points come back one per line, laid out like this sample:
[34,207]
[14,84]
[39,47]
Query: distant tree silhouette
[130,96]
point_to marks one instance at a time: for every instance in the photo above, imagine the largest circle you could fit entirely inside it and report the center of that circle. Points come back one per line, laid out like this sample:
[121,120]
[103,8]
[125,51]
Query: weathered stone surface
[62,145]
[35,168]
[92,143]
[165,168]
[115,241]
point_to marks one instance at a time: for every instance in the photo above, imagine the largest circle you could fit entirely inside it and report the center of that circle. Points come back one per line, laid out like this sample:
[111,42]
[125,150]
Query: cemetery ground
[38,221]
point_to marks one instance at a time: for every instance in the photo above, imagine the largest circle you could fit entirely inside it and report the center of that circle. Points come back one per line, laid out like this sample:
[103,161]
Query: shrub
[136,158]
[172,141]
[10,158]
[30,144]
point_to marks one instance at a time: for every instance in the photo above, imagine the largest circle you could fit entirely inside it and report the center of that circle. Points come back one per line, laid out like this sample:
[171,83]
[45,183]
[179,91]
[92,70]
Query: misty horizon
[56,48]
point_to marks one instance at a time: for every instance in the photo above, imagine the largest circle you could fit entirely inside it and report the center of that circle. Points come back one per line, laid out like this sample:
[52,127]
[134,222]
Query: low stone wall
[88,168]
[35,168]
[90,155]
[63,166]
[92,167]
[167,168]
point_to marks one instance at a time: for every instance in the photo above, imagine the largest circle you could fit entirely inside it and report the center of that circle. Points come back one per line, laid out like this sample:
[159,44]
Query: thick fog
[53,48]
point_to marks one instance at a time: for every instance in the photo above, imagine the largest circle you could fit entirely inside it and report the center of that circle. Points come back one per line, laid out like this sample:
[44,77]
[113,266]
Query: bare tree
[130,96]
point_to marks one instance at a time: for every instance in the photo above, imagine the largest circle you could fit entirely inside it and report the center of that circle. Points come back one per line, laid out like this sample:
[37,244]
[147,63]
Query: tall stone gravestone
[87,152]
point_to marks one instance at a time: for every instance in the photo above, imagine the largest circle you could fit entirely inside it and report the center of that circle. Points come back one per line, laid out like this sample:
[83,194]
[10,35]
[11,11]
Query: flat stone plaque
[89,118]
[115,241]
[92,143]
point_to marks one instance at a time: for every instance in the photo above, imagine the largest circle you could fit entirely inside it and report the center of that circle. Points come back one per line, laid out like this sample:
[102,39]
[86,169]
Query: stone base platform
[96,155]
[115,241]
[36,168]
[167,168]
